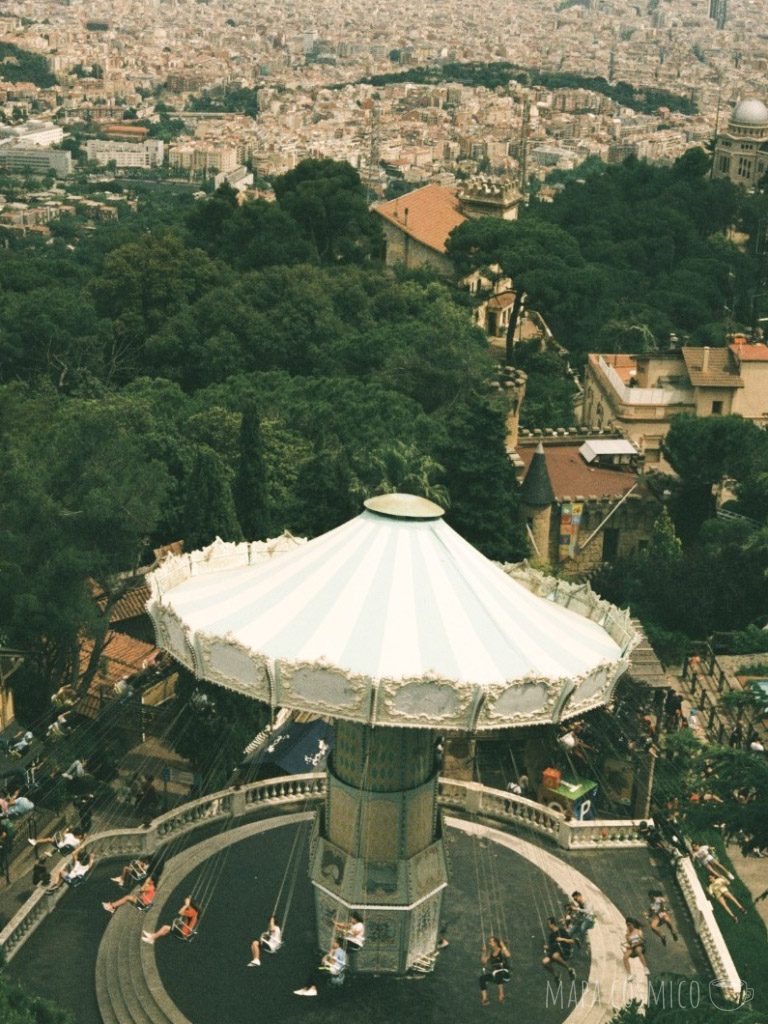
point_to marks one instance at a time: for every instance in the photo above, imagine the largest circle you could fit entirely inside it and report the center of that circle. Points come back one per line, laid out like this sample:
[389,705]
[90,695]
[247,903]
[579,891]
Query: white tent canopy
[391,618]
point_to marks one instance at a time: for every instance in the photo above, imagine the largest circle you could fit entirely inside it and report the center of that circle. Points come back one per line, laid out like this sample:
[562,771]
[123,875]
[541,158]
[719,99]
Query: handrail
[131,842]
[471,798]
[708,931]
[569,834]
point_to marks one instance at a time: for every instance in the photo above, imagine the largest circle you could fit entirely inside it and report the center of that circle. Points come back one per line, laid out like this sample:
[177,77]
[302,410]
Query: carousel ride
[401,632]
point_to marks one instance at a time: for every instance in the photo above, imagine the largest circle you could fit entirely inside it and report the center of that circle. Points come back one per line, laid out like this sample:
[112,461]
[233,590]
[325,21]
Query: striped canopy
[391,618]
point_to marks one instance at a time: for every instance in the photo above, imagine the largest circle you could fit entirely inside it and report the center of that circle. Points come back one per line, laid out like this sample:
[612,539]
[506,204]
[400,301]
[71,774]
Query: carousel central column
[379,848]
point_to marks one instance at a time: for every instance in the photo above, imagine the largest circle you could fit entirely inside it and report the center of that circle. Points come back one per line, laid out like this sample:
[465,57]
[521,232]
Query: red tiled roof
[721,371]
[129,606]
[571,476]
[503,301]
[750,353]
[132,604]
[427,214]
[122,656]
[624,365]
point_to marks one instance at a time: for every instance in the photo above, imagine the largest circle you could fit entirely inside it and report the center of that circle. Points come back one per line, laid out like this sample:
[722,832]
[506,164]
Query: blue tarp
[299,748]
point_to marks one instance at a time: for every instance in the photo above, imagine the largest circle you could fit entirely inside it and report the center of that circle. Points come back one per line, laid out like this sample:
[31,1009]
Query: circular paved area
[209,981]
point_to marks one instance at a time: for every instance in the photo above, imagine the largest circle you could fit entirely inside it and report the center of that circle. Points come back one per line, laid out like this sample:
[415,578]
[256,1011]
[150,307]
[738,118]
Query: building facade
[125,154]
[640,394]
[36,159]
[741,150]
[584,500]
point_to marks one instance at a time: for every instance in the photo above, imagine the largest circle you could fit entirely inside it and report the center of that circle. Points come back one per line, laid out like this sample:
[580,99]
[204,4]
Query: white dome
[751,112]
[391,617]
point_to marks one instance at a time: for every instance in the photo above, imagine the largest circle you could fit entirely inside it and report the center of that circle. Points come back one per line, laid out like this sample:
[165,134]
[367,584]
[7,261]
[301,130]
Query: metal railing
[717,718]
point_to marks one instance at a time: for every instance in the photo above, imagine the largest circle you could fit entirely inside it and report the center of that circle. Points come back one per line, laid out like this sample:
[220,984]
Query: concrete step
[128,989]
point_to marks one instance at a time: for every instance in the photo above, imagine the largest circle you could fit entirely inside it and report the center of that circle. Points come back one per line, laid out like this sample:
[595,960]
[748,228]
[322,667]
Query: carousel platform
[501,881]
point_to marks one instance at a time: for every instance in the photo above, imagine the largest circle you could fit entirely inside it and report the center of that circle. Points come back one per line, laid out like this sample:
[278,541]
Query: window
[717,408]
[610,545]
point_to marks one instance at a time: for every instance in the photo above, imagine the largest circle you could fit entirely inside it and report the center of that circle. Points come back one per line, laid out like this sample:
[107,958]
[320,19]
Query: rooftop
[750,353]
[428,214]
[711,368]
[571,475]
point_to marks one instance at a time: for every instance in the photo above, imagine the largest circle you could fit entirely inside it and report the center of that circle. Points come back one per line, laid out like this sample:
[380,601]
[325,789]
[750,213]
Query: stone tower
[537,497]
[484,196]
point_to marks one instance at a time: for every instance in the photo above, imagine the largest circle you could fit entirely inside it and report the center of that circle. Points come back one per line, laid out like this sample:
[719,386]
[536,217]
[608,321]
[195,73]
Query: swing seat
[337,979]
[425,964]
[182,930]
[137,873]
[267,945]
[144,907]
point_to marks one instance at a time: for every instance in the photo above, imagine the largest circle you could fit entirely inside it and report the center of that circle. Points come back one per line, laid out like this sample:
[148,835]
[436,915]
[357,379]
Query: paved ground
[210,983]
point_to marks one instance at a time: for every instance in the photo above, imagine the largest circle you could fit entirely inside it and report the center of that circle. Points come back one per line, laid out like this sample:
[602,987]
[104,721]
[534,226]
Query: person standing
[583,918]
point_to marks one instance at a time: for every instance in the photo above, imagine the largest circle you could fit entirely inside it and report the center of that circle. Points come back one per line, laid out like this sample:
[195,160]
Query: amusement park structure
[401,632]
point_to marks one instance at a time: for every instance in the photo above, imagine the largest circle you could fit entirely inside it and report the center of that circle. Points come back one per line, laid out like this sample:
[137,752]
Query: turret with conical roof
[536,496]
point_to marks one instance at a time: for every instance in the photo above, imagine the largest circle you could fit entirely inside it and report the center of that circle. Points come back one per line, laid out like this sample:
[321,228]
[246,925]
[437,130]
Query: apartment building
[126,154]
[640,394]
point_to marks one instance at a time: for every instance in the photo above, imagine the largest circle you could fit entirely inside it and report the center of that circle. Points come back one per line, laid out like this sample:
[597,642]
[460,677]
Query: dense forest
[630,255]
[22,66]
[203,368]
[501,73]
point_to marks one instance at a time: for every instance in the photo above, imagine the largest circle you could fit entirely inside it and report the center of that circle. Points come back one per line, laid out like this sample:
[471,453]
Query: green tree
[76,514]
[209,217]
[209,509]
[481,482]
[327,201]
[703,451]
[250,487]
[19,1007]
[214,728]
[323,491]
[401,468]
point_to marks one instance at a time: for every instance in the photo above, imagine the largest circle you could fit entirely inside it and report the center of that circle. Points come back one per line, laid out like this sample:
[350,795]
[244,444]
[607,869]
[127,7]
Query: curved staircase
[129,989]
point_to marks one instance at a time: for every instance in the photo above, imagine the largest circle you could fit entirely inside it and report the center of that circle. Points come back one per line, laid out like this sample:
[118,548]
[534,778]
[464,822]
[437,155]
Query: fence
[717,719]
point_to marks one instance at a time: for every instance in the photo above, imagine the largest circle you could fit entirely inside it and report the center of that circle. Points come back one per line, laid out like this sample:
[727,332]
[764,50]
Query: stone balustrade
[469,798]
[475,799]
[710,936]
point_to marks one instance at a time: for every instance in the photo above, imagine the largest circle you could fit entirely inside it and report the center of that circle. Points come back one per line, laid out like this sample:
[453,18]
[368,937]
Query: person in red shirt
[145,897]
[185,923]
